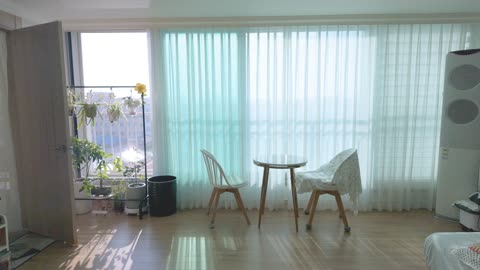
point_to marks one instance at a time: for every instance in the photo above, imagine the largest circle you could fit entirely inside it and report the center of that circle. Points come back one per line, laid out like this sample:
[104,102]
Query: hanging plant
[71,100]
[87,113]
[114,111]
[87,110]
[132,104]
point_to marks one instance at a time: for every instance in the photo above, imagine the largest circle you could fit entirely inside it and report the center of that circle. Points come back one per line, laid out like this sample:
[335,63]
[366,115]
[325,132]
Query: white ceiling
[48,10]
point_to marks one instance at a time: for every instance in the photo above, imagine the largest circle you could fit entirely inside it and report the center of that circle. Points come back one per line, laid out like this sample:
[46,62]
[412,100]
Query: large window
[117,59]
[307,83]
[311,91]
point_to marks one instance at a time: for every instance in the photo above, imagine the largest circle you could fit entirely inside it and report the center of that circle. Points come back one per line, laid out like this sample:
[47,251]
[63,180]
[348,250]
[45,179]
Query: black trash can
[162,191]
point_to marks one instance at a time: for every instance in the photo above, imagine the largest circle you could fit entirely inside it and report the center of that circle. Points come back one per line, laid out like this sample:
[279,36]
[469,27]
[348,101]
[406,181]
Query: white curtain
[311,91]
[9,203]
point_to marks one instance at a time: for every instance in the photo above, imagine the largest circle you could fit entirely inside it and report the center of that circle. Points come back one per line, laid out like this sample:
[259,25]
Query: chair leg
[309,205]
[315,196]
[238,198]
[212,197]
[217,197]
[342,211]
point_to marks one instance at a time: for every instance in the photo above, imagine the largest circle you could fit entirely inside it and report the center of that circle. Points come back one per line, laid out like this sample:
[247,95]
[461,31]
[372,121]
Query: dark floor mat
[26,247]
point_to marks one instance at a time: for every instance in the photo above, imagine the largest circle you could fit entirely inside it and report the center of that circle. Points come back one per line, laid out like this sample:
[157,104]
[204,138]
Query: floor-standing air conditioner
[459,158]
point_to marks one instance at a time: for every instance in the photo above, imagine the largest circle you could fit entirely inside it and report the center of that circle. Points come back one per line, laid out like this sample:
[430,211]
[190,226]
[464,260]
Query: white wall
[9,197]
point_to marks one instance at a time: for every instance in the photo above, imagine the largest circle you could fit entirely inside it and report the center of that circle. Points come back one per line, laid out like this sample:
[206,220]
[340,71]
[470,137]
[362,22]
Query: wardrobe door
[38,115]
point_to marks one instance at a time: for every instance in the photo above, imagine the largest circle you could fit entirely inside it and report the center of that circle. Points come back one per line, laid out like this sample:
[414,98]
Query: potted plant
[103,169]
[114,111]
[136,190]
[71,101]
[84,155]
[87,113]
[132,171]
[132,104]
[119,187]
[87,154]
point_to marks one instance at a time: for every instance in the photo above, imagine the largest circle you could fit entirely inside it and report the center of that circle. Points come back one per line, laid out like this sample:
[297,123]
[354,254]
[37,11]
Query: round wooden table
[279,161]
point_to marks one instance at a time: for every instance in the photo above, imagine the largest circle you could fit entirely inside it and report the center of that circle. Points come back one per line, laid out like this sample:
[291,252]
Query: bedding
[452,251]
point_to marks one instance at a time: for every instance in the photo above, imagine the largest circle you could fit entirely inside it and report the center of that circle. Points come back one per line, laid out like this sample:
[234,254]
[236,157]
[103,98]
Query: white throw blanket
[342,174]
[449,251]
[469,255]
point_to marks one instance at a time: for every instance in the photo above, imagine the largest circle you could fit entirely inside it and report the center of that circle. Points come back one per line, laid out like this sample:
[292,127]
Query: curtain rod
[143,24]
[97,86]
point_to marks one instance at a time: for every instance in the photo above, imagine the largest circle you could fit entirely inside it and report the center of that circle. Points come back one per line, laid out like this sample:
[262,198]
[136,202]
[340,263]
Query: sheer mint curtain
[407,96]
[199,106]
[311,91]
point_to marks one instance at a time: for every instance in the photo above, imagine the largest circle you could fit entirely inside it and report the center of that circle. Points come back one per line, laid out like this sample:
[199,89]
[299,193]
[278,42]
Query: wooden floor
[184,241]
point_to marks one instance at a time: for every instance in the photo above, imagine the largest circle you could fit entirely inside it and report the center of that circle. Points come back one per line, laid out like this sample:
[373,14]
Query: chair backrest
[215,171]
[346,165]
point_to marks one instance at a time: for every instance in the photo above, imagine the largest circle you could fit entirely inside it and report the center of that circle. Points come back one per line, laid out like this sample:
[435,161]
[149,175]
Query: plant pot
[132,110]
[87,114]
[132,105]
[119,206]
[81,206]
[136,192]
[101,191]
[113,116]
[91,111]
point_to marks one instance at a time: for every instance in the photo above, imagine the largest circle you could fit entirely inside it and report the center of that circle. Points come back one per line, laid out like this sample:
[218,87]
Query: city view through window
[118,59]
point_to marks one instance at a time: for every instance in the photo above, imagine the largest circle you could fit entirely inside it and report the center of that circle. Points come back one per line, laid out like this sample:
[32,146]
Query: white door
[37,107]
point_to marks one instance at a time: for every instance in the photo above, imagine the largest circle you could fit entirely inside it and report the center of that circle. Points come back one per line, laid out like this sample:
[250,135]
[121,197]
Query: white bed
[438,247]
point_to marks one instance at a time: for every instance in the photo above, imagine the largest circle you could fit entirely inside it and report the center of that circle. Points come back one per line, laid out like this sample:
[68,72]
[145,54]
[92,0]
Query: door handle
[62,148]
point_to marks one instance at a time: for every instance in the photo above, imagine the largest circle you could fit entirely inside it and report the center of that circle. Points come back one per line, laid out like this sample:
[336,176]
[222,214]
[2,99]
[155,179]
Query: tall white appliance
[459,159]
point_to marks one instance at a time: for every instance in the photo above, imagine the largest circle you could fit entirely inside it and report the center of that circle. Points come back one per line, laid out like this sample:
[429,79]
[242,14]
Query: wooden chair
[340,176]
[222,183]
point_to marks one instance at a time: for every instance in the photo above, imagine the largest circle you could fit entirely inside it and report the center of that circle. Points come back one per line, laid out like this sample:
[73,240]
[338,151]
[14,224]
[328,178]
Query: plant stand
[101,204]
[134,211]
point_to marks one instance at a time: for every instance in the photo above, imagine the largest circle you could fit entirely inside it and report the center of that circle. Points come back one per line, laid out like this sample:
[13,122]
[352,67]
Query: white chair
[339,176]
[222,183]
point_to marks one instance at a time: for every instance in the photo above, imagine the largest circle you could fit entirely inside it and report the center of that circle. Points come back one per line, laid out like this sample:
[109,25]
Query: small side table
[279,161]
